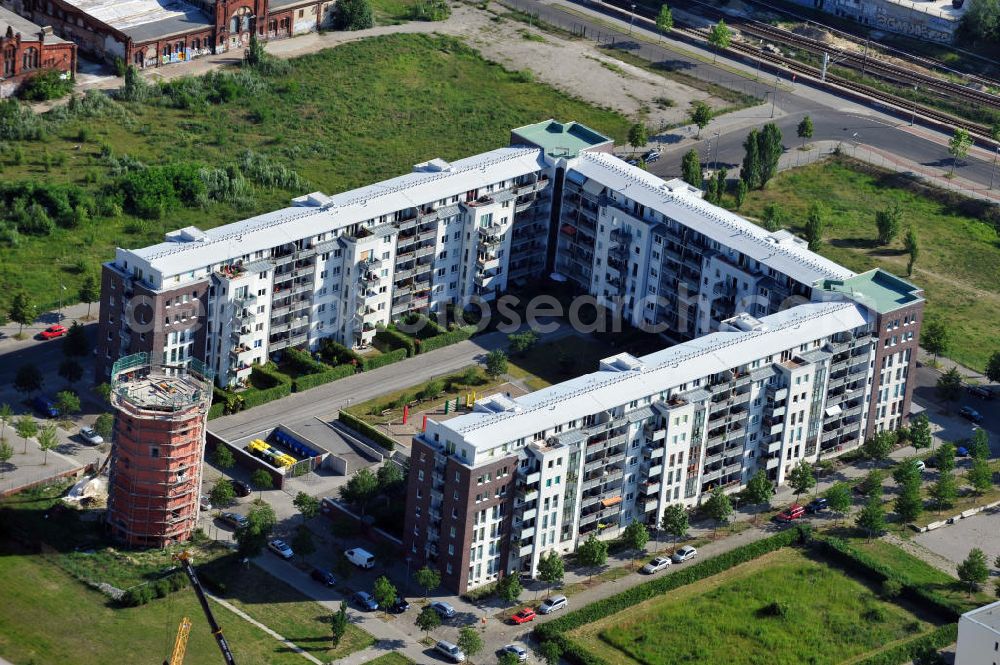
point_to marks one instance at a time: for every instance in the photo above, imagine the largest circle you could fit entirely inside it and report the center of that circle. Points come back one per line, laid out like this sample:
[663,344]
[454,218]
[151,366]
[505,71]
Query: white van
[552,604]
[360,558]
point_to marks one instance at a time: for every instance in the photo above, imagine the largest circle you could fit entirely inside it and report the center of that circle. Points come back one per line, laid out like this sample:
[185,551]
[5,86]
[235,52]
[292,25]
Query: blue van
[46,406]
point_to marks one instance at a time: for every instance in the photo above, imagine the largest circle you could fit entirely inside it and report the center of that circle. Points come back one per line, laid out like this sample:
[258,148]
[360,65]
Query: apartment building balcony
[590,500]
[741,398]
[528,531]
[732,468]
[487,262]
[712,459]
[280,310]
[587,519]
[709,475]
[655,433]
[650,488]
[772,463]
[773,447]
[653,452]
[857,368]
[776,394]
[491,235]
[302,287]
[651,467]
[240,352]
[529,514]
[245,317]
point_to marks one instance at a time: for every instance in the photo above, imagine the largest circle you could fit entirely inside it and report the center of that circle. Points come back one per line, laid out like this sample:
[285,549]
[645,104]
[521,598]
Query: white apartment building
[979,636]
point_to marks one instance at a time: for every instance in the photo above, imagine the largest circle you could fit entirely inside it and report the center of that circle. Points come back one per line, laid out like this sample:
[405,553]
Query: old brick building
[26,49]
[150,33]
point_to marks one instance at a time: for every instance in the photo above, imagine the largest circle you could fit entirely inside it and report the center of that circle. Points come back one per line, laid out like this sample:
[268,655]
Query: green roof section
[877,289]
[559,139]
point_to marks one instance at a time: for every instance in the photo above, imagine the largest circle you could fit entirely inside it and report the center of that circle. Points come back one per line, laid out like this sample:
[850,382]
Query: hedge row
[270,375]
[374,362]
[937,639]
[422,326]
[304,362]
[366,430]
[446,339]
[255,396]
[396,340]
[307,381]
[855,560]
[574,653]
[216,410]
[338,354]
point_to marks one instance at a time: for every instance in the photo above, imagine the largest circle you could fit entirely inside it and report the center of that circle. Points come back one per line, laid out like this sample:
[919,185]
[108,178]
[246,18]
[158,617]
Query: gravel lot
[954,541]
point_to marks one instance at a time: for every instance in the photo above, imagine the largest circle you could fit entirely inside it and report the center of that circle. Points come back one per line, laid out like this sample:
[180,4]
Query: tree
[6,417]
[104,425]
[958,146]
[592,553]
[871,519]
[428,619]
[944,491]
[888,222]
[974,571]
[428,578]
[905,471]
[979,446]
[718,507]
[22,311]
[912,246]
[223,457]
[770,150]
[551,568]
[814,225]
[255,54]
[75,343]
[691,168]
[360,489]
[90,292]
[949,385]
[638,136]
[68,403]
[508,658]
[6,452]
[521,342]
[750,170]
[70,370]
[252,536]
[721,178]
[47,440]
[838,498]
[801,478]
[28,379]
[773,217]
[384,593]
[877,448]
[469,641]
[993,367]
[665,19]
[509,588]
[354,15]
[944,458]
[920,432]
[909,504]
[935,337]
[871,485]
[759,490]
[551,652]
[740,194]
[700,115]
[389,477]
[222,493]
[307,505]
[805,130]
[675,522]
[980,476]
[496,363]
[719,36]
[981,21]
[262,480]
[26,427]
[635,538]
[338,623]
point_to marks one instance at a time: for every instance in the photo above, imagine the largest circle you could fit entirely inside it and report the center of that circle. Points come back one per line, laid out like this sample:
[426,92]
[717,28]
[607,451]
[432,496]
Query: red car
[793,512]
[53,331]
[524,616]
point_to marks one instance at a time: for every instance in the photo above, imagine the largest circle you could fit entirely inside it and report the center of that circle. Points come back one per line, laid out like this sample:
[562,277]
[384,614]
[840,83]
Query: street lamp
[718,136]
[994,171]
[913,111]
[631,18]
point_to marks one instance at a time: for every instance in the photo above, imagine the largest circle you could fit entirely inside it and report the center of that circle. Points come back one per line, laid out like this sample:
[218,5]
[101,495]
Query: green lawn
[342,118]
[828,617]
[959,262]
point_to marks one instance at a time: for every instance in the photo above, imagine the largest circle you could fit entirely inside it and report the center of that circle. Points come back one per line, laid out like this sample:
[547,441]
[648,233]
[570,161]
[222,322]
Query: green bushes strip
[446,339]
[216,410]
[307,381]
[574,653]
[855,560]
[366,430]
[396,340]
[253,397]
[303,362]
[338,354]
[906,652]
[389,358]
[268,376]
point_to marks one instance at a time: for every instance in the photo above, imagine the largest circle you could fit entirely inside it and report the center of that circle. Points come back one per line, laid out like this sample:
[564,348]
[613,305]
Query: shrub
[446,339]
[396,340]
[354,15]
[366,430]
[303,362]
[775,608]
[307,381]
[389,358]
[338,354]
[46,85]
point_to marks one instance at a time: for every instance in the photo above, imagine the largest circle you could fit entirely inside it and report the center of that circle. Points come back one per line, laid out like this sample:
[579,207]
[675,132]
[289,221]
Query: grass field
[959,262]
[342,118]
[390,659]
[827,617]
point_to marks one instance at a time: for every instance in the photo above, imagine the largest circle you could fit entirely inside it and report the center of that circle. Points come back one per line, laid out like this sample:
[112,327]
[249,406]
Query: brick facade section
[881,351]
[25,55]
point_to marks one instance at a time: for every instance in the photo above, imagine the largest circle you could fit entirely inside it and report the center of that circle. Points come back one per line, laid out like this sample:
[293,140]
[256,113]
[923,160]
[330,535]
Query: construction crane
[185,560]
[180,644]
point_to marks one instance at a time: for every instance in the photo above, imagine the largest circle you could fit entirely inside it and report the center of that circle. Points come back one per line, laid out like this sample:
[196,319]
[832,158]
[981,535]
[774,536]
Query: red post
[423,428]
[406,413]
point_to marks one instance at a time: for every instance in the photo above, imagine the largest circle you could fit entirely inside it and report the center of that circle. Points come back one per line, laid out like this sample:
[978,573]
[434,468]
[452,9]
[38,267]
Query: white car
[91,437]
[684,553]
[281,548]
[205,502]
[656,565]
[516,649]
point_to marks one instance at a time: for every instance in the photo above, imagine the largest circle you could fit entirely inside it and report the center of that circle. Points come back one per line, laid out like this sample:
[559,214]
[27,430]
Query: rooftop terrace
[877,289]
[560,139]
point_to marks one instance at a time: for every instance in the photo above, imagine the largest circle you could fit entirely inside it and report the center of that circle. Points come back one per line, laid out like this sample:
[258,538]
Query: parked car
[90,437]
[517,650]
[45,406]
[281,548]
[233,519]
[969,413]
[365,601]
[523,616]
[920,465]
[444,610]
[205,502]
[982,392]
[651,156]
[360,558]
[324,577]
[656,565]
[962,451]
[551,604]
[632,162]
[450,651]
[399,606]
[683,554]
[53,331]
[816,505]
[790,513]
[240,488]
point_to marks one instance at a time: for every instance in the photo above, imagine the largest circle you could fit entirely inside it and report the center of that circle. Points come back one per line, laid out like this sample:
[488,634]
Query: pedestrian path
[246,617]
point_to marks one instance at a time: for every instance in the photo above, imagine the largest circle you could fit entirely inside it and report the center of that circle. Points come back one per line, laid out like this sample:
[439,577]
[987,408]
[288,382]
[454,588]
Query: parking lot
[954,541]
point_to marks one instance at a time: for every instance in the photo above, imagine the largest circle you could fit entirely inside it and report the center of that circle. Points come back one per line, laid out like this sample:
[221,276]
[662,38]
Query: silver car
[684,553]
[516,649]
[451,651]
[656,565]
[91,437]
